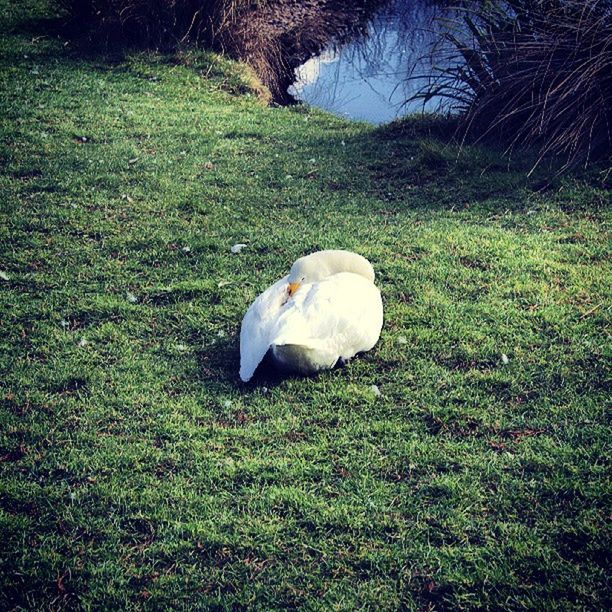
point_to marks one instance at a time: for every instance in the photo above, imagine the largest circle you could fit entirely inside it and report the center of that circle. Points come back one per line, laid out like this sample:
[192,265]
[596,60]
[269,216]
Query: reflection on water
[369,78]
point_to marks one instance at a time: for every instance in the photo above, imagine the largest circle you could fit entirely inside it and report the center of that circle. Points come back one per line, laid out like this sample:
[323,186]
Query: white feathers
[335,313]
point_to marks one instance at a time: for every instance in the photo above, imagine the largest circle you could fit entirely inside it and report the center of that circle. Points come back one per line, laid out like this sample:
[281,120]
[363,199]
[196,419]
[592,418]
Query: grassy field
[137,471]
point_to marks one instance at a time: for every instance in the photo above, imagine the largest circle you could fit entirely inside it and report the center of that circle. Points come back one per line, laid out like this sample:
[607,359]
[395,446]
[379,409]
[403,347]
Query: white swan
[326,309]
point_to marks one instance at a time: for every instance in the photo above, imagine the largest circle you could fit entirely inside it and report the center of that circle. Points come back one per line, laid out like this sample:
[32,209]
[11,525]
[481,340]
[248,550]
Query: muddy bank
[277,38]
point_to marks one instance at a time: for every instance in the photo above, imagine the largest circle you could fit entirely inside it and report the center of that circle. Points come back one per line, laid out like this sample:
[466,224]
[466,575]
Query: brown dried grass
[534,73]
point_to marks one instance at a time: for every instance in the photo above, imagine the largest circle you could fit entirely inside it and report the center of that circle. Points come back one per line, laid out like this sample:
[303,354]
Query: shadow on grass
[41,27]
[76,46]
[419,163]
[220,363]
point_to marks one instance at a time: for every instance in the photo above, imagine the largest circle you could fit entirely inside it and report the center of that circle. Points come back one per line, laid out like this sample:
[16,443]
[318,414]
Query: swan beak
[293,287]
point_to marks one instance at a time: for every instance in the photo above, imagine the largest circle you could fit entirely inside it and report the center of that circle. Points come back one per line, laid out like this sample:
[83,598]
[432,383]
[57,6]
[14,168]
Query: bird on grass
[325,311]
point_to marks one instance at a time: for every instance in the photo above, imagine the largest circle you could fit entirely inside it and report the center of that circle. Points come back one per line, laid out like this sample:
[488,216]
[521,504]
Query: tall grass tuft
[531,72]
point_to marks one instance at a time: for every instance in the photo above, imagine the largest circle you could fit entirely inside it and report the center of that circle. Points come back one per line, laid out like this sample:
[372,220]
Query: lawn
[137,471]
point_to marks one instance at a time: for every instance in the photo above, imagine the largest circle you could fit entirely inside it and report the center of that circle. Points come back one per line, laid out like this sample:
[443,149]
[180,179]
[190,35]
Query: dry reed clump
[272,36]
[277,37]
[532,72]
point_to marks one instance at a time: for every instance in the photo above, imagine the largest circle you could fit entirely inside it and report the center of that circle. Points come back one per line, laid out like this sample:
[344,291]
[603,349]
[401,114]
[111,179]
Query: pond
[371,77]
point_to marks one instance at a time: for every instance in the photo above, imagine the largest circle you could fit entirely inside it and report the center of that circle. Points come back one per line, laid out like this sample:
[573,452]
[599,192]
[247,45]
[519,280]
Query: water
[371,77]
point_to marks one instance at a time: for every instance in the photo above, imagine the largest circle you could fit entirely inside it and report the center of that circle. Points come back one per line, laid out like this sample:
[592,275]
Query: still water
[371,77]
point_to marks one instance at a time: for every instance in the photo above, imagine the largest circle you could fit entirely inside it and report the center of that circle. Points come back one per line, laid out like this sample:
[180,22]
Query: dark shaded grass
[158,24]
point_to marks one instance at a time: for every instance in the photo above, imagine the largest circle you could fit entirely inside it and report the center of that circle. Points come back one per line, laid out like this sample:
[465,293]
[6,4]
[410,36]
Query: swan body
[325,310]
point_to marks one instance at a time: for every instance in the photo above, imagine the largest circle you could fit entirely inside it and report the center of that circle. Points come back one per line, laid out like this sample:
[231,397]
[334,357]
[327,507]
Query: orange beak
[293,287]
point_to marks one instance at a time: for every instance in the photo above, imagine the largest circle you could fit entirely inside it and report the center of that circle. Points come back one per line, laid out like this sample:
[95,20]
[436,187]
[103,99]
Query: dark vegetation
[272,36]
[532,72]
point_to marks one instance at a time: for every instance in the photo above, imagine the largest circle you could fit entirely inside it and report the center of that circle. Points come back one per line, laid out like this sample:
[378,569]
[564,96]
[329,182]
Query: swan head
[322,264]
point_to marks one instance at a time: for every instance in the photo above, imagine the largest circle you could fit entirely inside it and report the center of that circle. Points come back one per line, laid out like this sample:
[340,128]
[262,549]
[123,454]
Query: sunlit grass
[138,471]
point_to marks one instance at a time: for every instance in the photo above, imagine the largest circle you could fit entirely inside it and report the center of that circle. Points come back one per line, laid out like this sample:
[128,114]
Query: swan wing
[258,325]
[339,317]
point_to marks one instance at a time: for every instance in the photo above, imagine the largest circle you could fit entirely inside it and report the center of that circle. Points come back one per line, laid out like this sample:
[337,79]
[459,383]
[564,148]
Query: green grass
[137,471]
